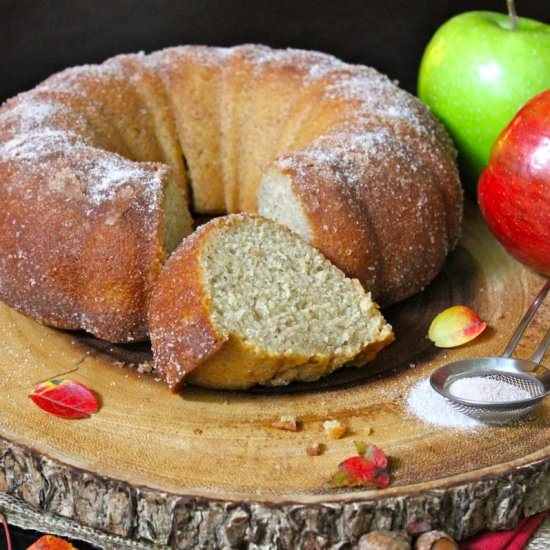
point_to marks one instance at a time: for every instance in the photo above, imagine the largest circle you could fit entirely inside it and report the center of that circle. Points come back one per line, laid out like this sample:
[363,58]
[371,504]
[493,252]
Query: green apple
[477,71]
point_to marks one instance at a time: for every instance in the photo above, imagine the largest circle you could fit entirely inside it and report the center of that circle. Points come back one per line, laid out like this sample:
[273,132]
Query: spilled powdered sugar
[425,403]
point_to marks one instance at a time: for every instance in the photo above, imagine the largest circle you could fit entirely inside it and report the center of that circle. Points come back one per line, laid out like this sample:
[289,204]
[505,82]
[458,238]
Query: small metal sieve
[528,375]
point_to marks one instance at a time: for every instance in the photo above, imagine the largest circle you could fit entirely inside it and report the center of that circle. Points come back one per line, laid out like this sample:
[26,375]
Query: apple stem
[512,13]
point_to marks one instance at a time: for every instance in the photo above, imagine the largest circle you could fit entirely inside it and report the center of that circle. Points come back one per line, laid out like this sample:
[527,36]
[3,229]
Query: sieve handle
[525,323]
[541,350]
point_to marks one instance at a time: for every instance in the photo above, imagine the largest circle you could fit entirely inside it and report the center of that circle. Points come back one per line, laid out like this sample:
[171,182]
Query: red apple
[514,189]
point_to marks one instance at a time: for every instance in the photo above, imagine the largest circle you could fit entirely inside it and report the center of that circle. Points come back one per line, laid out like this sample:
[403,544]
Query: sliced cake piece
[245,301]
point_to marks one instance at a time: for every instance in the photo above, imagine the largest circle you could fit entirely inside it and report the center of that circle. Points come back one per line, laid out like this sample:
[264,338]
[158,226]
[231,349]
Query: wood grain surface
[206,466]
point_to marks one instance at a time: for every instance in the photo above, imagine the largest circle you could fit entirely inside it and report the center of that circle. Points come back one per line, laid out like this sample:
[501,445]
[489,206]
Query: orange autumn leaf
[455,326]
[65,398]
[49,542]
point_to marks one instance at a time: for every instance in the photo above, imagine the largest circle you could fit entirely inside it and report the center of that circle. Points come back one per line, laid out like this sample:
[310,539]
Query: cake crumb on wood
[335,429]
[315,449]
[288,423]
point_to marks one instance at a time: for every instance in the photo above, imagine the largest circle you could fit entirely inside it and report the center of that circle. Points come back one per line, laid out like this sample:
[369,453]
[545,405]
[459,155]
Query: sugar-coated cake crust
[86,159]
[391,165]
[89,267]
[181,330]
[81,223]
[188,346]
[404,216]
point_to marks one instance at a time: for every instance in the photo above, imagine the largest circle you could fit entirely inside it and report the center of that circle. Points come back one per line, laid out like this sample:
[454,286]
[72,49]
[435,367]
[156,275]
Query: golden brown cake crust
[85,266]
[81,228]
[86,158]
[391,236]
[182,333]
[388,166]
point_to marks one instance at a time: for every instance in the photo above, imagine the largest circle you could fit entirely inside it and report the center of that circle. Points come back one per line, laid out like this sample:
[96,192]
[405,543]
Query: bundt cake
[245,301]
[99,163]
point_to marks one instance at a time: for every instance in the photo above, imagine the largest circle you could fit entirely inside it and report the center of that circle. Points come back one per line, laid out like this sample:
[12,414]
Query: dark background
[40,37]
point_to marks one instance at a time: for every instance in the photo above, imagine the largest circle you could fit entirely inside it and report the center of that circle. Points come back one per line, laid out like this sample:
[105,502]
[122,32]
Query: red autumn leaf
[376,456]
[49,542]
[372,453]
[65,398]
[367,469]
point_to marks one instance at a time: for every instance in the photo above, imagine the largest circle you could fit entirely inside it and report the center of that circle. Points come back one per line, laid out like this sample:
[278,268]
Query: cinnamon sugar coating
[99,162]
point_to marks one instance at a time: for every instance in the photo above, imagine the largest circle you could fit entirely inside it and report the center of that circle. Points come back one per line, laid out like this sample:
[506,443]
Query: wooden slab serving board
[206,468]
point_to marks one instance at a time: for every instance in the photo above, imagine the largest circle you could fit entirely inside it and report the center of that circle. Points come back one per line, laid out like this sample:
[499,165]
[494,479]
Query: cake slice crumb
[315,449]
[287,423]
[335,429]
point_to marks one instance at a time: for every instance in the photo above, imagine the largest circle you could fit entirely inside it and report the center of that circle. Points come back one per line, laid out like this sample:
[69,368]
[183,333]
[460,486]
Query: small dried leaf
[382,479]
[455,326]
[49,542]
[340,479]
[65,398]
[368,469]
[376,456]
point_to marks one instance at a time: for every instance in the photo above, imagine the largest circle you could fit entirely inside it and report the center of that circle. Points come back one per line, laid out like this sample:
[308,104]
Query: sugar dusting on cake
[374,92]
[77,169]
[35,145]
[81,171]
[26,113]
[44,138]
[374,169]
